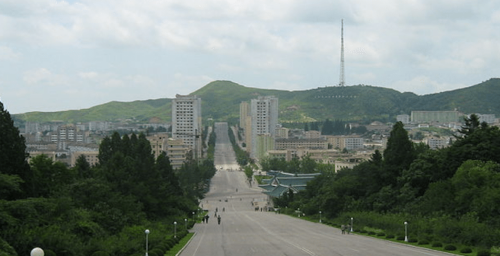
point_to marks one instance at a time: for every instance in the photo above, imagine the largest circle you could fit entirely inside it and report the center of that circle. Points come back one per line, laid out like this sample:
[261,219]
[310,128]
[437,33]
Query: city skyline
[74,54]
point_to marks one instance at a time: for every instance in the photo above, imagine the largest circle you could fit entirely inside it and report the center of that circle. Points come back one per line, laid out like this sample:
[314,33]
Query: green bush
[49,253]
[423,242]
[158,252]
[412,240]
[450,247]
[390,236]
[363,231]
[381,234]
[400,238]
[371,233]
[466,250]
[483,252]
[100,253]
[437,244]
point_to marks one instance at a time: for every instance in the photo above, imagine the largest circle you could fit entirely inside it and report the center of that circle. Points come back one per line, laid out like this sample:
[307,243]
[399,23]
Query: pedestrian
[342,228]
[218,219]
[206,216]
[203,219]
[348,229]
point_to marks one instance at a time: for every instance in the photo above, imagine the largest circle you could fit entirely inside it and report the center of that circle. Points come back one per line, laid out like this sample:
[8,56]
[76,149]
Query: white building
[264,118]
[186,121]
[405,119]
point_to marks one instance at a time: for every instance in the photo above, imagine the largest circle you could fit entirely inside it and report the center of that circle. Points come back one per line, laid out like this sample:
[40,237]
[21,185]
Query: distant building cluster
[265,137]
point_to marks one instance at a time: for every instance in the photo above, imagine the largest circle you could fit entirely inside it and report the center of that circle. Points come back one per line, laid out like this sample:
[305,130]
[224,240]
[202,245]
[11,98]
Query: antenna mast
[342,74]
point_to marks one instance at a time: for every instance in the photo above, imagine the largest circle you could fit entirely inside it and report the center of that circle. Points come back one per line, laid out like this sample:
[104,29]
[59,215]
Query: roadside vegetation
[96,210]
[448,196]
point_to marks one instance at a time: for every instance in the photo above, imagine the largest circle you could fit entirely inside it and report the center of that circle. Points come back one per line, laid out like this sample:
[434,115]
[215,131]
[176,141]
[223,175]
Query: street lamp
[175,229]
[186,223]
[147,233]
[319,216]
[406,231]
[351,223]
[193,216]
[37,251]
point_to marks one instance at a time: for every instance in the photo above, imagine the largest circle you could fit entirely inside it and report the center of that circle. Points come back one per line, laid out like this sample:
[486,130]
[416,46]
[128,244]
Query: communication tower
[342,73]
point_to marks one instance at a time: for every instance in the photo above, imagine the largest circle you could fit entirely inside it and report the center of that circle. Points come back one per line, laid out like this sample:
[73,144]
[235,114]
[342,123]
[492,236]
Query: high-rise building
[264,119]
[244,112]
[186,122]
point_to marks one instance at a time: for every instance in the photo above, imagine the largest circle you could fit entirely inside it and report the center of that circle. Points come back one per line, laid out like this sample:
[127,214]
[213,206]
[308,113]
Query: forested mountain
[221,99]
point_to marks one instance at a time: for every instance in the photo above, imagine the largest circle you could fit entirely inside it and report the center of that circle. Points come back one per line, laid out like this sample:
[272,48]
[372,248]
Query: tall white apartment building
[264,118]
[186,121]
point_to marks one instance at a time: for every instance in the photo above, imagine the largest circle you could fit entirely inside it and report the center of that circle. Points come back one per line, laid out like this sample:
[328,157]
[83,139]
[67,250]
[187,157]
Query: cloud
[88,75]
[43,76]
[7,53]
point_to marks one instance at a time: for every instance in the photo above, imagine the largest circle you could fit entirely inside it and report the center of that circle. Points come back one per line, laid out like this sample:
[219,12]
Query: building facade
[264,119]
[435,117]
[186,121]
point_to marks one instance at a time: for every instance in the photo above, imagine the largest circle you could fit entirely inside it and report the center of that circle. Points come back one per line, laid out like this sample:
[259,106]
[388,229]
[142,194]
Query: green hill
[221,99]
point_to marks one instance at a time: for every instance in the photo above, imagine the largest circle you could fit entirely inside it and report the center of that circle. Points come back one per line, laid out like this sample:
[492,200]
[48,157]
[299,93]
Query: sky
[59,55]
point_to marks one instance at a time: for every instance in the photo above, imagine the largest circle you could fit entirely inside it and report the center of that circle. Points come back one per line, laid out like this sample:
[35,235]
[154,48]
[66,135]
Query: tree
[399,153]
[13,164]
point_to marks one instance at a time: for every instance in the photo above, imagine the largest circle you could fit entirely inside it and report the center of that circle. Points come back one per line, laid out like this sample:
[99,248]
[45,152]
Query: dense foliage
[87,209]
[448,195]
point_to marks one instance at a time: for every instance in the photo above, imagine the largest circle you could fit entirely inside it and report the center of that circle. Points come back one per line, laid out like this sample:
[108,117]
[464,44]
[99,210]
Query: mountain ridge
[221,99]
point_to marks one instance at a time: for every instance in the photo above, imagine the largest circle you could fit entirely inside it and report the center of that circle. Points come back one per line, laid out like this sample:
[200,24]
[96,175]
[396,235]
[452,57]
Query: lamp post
[186,223]
[37,251]
[406,231]
[175,229]
[351,223]
[319,216]
[147,233]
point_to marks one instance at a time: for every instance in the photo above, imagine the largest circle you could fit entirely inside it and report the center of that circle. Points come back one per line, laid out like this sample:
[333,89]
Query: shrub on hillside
[390,236]
[450,247]
[437,244]
[483,252]
[466,250]
[381,234]
[412,240]
[100,253]
[400,238]
[423,242]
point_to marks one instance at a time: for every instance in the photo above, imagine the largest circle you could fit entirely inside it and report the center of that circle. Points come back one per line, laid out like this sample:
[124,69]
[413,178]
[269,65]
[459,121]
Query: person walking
[342,228]
[218,219]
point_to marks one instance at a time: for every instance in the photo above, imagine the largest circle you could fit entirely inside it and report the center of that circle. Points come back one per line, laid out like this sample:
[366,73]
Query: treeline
[327,127]
[242,157]
[296,165]
[448,195]
[93,210]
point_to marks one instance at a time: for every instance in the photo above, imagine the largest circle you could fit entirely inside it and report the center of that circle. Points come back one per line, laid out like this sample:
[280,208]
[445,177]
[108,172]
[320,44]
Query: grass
[178,247]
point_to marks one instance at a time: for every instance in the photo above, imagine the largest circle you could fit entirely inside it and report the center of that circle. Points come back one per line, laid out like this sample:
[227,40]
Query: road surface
[244,231]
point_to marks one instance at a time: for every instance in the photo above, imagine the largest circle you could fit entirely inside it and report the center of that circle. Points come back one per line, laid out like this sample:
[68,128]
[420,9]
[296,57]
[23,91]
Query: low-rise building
[291,143]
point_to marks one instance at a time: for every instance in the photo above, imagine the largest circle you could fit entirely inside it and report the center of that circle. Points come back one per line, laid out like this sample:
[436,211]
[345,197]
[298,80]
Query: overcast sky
[58,55]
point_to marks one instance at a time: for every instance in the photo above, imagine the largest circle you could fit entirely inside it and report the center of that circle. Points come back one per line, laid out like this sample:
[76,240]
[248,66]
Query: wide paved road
[244,231]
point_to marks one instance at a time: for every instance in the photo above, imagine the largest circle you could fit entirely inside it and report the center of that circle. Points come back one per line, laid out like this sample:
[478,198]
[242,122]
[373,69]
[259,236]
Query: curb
[181,250]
